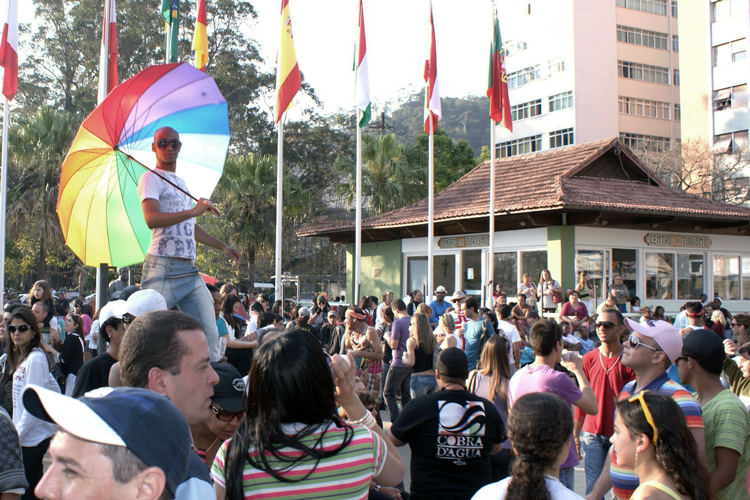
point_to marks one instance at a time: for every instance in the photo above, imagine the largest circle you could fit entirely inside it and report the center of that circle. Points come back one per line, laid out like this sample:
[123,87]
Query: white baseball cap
[142,302]
[441,288]
[112,309]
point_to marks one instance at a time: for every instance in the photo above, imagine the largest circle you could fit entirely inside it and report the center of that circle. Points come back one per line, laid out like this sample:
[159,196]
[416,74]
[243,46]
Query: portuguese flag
[497,88]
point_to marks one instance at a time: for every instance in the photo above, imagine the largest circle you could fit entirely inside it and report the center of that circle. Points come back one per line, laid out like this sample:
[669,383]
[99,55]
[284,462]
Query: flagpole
[358,230]
[491,264]
[102,271]
[491,267]
[431,206]
[4,194]
[279,288]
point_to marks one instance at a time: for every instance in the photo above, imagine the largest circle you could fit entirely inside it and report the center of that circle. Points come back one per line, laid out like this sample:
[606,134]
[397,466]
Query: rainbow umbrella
[98,205]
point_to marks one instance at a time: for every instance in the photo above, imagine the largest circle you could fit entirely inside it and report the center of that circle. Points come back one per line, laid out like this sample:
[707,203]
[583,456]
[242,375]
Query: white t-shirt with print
[172,241]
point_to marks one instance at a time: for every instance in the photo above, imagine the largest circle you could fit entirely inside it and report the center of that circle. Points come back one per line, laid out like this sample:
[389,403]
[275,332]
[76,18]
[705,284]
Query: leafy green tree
[392,175]
[247,194]
[37,147]
[453,160]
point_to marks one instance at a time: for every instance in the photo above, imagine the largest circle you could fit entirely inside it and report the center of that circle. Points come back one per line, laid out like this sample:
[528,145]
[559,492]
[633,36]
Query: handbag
[556,297]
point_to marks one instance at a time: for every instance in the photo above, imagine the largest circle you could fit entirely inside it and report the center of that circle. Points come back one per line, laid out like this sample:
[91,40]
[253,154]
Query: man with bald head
[169,267]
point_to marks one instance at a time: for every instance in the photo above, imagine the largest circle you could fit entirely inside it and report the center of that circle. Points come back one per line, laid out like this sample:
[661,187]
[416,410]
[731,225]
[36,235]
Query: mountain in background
[463,118]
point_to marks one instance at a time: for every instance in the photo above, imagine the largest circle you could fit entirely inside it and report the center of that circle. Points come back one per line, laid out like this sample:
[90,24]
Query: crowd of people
[494,402]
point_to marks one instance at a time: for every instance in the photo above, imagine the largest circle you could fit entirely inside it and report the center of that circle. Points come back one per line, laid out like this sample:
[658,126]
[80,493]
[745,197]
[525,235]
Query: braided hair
[539,425]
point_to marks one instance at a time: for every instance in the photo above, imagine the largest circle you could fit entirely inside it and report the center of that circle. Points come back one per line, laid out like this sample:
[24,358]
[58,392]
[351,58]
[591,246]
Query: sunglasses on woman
[646,412]
[227,416]
[21,329]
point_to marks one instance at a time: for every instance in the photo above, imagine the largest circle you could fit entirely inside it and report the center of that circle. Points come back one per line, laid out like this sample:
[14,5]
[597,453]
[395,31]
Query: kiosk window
[659,276]
[727,277]
[506,273]
[690,277]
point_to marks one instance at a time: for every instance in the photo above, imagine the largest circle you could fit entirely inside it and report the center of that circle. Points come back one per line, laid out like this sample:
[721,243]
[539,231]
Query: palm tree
[248,197]
[392,174]
[38,145]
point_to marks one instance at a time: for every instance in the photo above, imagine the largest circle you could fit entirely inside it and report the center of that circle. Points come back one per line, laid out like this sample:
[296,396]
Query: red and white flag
[432,97]
[9,51]
[108,56]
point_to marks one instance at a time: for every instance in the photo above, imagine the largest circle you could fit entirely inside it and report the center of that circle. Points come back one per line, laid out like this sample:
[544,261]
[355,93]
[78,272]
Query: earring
[636,459]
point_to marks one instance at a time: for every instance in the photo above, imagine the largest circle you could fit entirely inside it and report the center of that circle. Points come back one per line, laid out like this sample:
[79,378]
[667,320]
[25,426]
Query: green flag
[170,9]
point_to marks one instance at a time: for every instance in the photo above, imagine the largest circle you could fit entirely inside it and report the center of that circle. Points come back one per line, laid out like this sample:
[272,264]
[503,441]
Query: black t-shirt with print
[451,435]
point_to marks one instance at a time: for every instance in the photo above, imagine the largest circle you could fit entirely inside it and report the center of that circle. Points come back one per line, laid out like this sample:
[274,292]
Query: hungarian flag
[200,40]
[108,58]
[288,77]
[497,88]
[432,96]
[170,9]
[362,75]
[9,51]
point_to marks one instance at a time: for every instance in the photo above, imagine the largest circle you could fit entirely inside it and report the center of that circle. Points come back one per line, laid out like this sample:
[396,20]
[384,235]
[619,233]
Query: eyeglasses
[735,324]
[646,412]
[21,329]
[227,416]
[634,342]
[681,358]
[128,319]
[604,324]
[163,143]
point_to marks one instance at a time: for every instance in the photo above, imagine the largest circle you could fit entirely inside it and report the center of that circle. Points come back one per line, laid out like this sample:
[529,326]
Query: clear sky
[397,42]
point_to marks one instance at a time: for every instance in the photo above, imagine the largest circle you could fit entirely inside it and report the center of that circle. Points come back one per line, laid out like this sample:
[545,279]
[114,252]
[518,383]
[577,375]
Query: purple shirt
[400,332]
[544,379]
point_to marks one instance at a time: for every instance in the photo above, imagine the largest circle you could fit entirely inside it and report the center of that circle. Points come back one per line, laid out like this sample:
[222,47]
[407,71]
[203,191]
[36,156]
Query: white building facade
[584,70]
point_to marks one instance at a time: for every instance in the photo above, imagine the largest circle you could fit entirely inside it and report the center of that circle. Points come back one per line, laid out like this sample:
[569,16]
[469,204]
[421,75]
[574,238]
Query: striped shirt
[728,426]
[345,475]
[624,479]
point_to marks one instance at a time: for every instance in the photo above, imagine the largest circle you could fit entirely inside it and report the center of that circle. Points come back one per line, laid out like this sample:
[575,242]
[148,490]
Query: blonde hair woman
[452,339]
[421,353]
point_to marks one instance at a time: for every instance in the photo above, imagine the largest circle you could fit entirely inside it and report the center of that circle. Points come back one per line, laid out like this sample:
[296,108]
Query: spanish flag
[288,77]
[200,40]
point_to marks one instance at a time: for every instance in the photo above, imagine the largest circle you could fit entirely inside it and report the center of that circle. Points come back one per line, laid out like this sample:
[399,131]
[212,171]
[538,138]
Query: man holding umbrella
[169,266]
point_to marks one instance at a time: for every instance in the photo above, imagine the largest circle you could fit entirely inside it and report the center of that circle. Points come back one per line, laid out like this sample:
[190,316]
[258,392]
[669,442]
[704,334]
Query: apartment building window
[640,142]
[730,52]
[526,110]
[561,138]
[519,146]
[644,72]
[732,97]
[524,77]
[675,43]
[555,67]
[674,8]
[643,107]
[726,9]
[677,113]
[561,101]
[637,36]
[651,6]
[511,47]
[676,77]
[731,143]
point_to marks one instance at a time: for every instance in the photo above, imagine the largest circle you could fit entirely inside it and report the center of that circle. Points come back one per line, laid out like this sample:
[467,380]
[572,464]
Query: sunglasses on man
[163,143]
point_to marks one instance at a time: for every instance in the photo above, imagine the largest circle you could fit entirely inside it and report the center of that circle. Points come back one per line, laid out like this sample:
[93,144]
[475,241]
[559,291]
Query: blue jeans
[180,284]
[595,448]
[398,377]
[568,477]
[623,308]
[421,385]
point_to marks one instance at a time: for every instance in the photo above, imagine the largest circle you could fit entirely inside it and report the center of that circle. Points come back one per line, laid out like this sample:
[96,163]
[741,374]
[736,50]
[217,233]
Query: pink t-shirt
[545,379]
